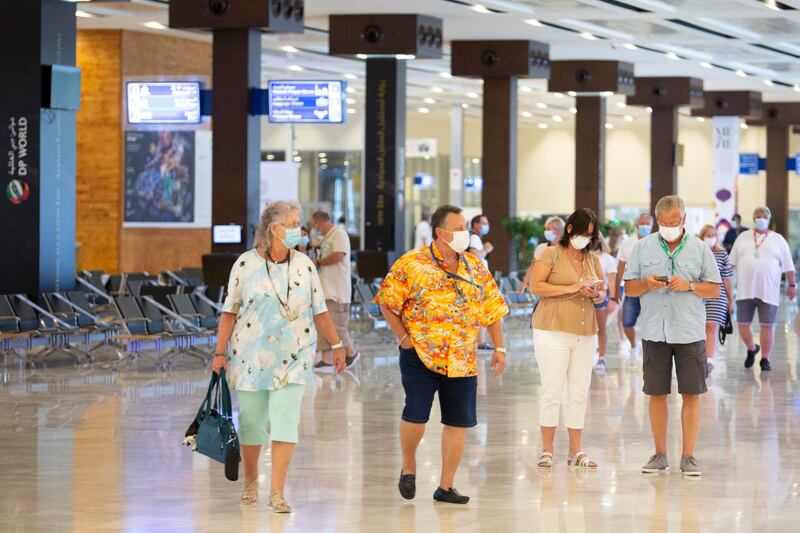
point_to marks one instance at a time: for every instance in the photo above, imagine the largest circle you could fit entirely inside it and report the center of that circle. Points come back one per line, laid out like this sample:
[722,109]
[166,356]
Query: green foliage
[521,230]
[606,226]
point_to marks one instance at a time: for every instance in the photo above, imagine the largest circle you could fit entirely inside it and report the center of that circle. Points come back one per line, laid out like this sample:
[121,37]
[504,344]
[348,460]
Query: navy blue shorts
[457,396]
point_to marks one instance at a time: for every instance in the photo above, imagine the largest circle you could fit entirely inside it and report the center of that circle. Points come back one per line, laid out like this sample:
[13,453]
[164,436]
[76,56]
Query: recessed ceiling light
[290,49]
[559,95]
[350,76]
[609,126]
[297,159]
[481,9]
[673,56]
[628,118]
[153,25]
[587,35]
[429,101]
[83,14]
[741,73]
[362,56]
[572,93]
[701,119]
[630,46]
[573,110]
[351,111]
[558,118]
[475,160]
[533,22]
[424,110]
[542,126]
[322,155]
[622,105]
[464,106]
[323,160]
[351,101]
[527,114]
[405,56]
[296,68]
[437,89]
[743,125]
[472,94]
[445,75]
[541,105]
[526,89]
[769,83]
[649,109]
[351,90]
[270,157]
[797,87]
[706,64]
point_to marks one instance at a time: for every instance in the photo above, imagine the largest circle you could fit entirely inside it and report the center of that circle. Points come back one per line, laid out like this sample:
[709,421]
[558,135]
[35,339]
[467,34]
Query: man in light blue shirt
[673,272]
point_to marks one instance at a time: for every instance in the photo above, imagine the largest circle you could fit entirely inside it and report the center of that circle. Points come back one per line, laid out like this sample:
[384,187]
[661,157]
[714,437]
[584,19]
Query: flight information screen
[307,101]
[169,102]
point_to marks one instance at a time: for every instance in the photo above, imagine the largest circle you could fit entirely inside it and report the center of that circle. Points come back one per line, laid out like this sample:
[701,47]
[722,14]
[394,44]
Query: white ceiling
[708,39]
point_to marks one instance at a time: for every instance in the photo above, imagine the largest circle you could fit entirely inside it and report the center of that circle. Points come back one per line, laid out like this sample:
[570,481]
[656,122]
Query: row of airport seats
[135,314]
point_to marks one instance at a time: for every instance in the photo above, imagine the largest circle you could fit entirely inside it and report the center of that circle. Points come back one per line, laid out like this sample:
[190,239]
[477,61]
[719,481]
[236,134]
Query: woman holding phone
[569,280]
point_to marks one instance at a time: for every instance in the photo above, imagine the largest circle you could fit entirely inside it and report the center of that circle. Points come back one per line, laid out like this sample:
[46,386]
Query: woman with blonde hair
[274,308]
[717,309]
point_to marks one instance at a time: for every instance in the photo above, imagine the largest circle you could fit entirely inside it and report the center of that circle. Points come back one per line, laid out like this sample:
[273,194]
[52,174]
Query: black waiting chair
[182,305]
[210,318]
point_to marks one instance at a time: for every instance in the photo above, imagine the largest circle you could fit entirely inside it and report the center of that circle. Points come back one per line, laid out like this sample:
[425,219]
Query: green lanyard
[673,255]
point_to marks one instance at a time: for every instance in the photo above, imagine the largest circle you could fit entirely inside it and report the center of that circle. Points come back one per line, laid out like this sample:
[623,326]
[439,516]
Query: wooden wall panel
[157,249]
[99,150]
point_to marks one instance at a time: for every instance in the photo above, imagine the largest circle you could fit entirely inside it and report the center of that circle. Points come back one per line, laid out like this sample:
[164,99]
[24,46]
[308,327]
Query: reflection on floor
[88,449]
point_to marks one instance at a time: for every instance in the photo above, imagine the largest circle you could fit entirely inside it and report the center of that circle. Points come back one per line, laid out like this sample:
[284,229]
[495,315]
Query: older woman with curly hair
[267,341]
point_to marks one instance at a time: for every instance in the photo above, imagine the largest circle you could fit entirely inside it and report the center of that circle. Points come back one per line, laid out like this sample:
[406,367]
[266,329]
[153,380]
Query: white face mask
[579,242]
[711,241]
[460,241]
[762,224]
[670,234]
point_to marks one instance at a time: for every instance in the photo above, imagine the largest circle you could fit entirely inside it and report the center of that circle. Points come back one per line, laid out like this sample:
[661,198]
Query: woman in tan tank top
[569,280]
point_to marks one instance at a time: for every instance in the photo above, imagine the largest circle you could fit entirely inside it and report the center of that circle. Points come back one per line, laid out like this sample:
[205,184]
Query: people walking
[672,273]
[569,280]
[553,230]
[631,307]
[435,299]
[760,257]
[266,342]
[733,233]
[608,264]
[718,310]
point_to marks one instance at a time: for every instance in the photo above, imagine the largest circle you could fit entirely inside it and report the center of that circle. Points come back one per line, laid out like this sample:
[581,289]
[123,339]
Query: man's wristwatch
[692,286]
[337,346]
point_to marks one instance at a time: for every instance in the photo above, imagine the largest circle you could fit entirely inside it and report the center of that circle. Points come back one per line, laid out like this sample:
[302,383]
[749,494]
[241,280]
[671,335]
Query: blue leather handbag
[216,435]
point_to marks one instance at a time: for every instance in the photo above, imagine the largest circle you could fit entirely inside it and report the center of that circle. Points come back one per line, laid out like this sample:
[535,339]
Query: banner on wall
[725,164]
[167,179]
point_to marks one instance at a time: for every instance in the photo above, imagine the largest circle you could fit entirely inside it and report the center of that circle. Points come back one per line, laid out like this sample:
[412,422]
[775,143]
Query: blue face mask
[644,230]
[549,236]
[292,237]
[304,240]
[317,234]
[485,229]
[762,224]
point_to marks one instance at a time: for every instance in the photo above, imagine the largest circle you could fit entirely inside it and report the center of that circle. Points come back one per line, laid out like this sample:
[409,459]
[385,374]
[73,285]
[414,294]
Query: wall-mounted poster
[167,179]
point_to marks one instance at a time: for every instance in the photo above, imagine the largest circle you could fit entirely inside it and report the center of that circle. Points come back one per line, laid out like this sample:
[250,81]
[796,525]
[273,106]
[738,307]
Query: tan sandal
[545,461]
[277,504]
[250,493]
[581,460]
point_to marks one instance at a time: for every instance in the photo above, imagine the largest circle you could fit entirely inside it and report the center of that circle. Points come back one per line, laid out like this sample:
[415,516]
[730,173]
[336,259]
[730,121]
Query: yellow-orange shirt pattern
[442,315]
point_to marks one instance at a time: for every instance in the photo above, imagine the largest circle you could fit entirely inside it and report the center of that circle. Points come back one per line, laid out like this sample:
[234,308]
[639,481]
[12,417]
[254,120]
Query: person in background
[616,237]
[479,228]
[553,230]
[717,309]
[305,240]
[272,332]
[760,257]
[631,306]
[733,233]
[333,262]
[423,235]
[435,299]
[609,265]
[569,280]
[672,273]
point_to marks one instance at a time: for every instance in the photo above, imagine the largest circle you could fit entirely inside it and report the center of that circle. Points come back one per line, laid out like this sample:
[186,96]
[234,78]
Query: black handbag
[212,433]
[727,329]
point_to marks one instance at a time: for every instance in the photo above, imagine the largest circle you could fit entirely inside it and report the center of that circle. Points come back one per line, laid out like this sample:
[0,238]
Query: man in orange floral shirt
[436,298]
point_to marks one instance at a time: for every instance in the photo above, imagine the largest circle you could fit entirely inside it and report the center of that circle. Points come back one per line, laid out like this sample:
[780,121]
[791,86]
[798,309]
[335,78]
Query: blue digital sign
[748,164]
[307,101]
[171,102]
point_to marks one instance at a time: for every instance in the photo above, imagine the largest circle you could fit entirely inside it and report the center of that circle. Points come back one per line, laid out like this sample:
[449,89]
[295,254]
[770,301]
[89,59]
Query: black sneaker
[322,366]
[449,496]
[765,366]
[751,357]
[407,485]
[351,360]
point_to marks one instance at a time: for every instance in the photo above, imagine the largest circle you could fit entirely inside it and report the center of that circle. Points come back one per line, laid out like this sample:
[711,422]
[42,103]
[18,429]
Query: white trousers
[565,364]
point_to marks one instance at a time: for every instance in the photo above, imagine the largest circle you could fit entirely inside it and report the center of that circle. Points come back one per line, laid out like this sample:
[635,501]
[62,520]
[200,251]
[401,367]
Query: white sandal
[581,460]
[545,461]
[277,504]
[250,493]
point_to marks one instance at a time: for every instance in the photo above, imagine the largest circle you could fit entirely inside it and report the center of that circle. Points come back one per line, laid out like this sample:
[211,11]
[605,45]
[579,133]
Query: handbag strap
[226,405]
[206,403]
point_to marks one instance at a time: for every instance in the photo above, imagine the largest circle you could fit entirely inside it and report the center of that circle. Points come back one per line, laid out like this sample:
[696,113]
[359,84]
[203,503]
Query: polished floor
[89,449]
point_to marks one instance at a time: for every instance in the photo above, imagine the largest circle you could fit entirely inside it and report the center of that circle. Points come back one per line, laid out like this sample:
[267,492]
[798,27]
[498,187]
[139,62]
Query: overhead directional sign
[307,101]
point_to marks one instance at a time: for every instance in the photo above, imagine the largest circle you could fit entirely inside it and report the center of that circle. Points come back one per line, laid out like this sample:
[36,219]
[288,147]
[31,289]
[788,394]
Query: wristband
[338,345]
[219,354]
[499,349]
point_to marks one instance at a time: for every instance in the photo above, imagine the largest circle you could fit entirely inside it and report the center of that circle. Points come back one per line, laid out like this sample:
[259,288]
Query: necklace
[286,311]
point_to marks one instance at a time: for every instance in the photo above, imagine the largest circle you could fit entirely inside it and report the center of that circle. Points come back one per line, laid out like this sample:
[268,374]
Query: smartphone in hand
[662,279]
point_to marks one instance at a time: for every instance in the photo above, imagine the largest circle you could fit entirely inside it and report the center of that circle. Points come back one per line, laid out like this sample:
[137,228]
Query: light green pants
[278,408]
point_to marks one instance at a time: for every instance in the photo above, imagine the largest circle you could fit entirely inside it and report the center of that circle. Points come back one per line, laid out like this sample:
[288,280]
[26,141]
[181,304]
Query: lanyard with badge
[462,298]
[758,244]
[673,255]
[286,312]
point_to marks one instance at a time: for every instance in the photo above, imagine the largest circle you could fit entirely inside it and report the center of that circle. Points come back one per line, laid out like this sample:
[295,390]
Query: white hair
[668,203]
[763,209]
[557,221]
[274,213]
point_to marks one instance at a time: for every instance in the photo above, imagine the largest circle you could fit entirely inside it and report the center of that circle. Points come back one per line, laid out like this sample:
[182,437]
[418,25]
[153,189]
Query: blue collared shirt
[670,316]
